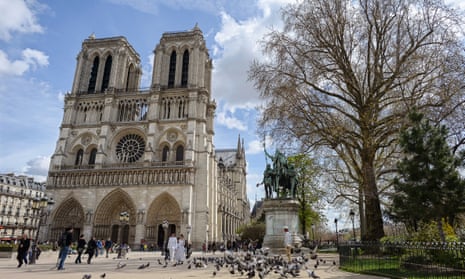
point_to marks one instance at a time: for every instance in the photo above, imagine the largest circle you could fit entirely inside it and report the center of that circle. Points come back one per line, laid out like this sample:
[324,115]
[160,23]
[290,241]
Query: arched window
[185,68]
[172,70]
[130,77]
[106,73]
[93,155]
[79,156]
[164,155]
[180,153]
[93,75]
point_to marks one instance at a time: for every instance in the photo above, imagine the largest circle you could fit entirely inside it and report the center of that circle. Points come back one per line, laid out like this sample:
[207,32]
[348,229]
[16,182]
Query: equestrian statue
[281,178]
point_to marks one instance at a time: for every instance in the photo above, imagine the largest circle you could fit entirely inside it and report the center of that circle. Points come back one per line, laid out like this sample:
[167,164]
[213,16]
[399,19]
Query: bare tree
[341,77]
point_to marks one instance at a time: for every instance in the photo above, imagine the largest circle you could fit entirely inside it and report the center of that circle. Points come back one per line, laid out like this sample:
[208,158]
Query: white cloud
[37,166]
[255,147]
[456,3]
[225,118]
[236,46]
[19,16]
[31,58]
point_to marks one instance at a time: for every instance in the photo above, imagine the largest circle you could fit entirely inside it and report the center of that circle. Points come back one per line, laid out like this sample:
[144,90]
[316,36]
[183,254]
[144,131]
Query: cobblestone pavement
[45,268]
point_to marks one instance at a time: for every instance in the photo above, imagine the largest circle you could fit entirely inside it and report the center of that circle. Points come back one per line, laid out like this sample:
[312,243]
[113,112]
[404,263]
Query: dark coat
[24,245]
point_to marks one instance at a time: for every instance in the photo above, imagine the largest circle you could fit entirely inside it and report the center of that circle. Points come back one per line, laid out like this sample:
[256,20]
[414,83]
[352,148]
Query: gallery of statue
[135,165]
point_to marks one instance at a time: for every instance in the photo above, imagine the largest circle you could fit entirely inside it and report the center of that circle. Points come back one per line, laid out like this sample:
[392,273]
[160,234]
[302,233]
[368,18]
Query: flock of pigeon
[261,265]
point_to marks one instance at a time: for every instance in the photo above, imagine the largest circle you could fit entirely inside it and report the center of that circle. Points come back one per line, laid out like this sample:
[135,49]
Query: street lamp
[124,219]
[313,232]
[39,205]
[352,217]
[337,235]
[188,230]
[165,226]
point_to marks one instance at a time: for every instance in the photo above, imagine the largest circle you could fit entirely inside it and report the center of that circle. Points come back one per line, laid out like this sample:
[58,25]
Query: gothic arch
[107,223]
[109,209]
[69,214]
[164,207]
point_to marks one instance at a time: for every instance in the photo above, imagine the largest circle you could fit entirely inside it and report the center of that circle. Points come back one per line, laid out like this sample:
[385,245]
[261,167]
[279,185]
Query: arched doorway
[115,218]
[69,214]
[163,208]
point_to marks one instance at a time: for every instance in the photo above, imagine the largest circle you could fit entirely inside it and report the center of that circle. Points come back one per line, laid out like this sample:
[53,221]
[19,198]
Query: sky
[40,40]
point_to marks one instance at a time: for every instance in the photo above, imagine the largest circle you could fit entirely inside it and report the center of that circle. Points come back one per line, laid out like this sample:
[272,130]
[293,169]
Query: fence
[405,260]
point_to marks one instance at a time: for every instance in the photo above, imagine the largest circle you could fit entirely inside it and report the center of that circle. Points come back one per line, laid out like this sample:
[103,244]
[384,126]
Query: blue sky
[39,42]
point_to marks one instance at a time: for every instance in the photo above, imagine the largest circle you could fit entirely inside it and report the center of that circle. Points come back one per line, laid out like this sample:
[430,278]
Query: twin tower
[134,165]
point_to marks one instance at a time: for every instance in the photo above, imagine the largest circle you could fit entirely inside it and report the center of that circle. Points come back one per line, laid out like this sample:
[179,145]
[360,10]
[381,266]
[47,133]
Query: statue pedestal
[280,213]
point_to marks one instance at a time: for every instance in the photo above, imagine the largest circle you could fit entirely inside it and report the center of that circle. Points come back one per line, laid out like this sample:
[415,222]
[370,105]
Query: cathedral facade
[134,165]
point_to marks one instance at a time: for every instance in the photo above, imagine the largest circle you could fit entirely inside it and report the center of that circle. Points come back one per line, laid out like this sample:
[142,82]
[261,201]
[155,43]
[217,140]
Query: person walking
[81,245]
[108,245]
[99,247]
[172,245]
[64,243]
[23,249]
[91,249]
[181,250]
[287,243]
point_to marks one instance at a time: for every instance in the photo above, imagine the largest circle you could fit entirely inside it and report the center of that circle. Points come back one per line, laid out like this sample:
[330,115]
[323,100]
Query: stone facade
[146,154]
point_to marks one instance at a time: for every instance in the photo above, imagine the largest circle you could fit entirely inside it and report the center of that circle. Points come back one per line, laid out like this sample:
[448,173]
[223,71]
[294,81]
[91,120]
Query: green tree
[340,76]
[253,232]
[308,193]
[428,187]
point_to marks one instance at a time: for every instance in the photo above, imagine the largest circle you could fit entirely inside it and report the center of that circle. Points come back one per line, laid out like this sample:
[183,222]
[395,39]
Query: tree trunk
[440,230]
[374,220]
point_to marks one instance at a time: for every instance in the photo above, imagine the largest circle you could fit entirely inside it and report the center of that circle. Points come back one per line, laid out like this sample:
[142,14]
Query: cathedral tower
[132,164]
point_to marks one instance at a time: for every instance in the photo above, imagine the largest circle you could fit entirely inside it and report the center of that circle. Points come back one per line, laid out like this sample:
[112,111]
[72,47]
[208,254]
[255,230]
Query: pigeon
[103,275]
[142,266]
[214,273]
[120,265]
[312,274]
[86,276]
[334,262]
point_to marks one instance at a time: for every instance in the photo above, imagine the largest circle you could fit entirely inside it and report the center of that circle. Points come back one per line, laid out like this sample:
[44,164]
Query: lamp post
[313,233]
[124,219]
[188,230]
[337,235]
[165,226]
[39,205]
[352,217]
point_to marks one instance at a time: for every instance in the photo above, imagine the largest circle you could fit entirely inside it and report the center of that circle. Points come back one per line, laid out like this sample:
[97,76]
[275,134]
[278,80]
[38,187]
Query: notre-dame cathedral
[133,165]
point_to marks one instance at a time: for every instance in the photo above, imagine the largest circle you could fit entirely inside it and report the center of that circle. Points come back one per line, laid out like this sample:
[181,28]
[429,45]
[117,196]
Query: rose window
[130,148]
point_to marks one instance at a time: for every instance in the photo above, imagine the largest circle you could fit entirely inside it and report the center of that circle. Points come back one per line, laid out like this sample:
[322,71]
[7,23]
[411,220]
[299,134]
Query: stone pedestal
[278,214]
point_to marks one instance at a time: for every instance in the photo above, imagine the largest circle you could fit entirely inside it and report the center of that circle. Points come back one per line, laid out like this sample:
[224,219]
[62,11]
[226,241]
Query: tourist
[91,249]
[287,243]
[99,248]
[23,248]
[81,245]
[108,245]
[64,243]
[172,245]
[181,250]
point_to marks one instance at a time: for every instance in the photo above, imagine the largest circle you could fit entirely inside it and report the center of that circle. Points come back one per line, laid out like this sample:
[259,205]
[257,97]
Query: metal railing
[405,260]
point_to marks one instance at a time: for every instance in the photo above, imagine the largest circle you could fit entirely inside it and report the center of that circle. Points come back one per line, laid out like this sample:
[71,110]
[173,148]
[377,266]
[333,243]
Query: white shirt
[172,242]
[287,239]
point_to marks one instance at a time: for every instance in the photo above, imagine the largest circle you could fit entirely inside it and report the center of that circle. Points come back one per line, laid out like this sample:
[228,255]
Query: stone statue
[268,181]
[282,177]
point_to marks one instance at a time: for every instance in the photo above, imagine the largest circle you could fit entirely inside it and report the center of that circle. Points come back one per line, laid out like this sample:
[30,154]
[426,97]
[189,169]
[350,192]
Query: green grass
[389,267]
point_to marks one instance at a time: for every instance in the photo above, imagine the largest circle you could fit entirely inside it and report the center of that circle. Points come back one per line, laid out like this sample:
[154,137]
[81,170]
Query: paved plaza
[45,268]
